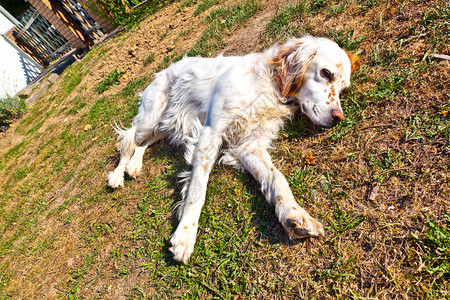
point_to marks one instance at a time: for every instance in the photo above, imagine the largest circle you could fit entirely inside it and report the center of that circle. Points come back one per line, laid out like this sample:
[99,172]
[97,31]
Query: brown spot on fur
[294,208]
[205,166]
[252,70]
[185,227]
[328,102]
[333,91]
[190,203]
[193,224]
[162,105]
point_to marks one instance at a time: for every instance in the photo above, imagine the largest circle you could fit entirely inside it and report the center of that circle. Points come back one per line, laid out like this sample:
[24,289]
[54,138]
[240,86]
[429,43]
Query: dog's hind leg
[134,166]
[144,131]
[127,147]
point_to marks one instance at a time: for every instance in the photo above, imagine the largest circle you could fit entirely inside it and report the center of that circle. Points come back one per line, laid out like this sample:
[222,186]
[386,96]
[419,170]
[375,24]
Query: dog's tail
[125,140]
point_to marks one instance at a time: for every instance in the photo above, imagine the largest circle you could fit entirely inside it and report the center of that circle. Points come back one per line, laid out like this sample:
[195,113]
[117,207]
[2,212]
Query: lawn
[379,181]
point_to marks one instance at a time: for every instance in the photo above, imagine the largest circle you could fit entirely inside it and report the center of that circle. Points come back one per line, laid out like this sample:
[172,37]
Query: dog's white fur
[235,106]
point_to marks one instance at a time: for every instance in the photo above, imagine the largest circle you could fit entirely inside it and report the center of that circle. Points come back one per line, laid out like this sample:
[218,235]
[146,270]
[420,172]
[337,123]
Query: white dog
[235,106]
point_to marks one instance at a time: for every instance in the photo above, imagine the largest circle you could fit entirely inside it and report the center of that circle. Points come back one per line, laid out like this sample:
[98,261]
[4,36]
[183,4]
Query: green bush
[10,108]
[121,12]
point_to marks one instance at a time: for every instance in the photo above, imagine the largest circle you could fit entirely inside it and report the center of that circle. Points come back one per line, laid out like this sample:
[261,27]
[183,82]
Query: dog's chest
[262,117]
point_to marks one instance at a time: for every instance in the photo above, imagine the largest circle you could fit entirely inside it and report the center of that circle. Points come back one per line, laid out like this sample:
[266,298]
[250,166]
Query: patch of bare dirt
[247,38]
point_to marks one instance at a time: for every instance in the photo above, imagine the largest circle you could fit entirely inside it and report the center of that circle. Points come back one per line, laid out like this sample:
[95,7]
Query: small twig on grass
[441,56]
[212,290]
[299,291]
[394,170]
[374,126]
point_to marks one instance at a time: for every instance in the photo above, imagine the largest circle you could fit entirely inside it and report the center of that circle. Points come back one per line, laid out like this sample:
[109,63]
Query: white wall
[5,24]
[17,69]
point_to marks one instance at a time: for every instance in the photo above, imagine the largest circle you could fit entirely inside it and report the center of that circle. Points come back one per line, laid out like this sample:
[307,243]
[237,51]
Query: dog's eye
[325,73]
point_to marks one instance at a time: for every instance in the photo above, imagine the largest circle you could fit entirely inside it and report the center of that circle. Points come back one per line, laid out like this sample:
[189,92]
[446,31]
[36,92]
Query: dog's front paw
[133,168]
[303,226]
[183,241]
[115,179]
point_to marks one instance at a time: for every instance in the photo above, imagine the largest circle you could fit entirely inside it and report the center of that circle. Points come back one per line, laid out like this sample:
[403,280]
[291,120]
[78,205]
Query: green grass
[317,5]
[345,39]
[121,13]
[365,5]
[78,105]
[187,3]
[282,24]
[60,223]
[149,59]
[112,79]
[435,248]
[11,108]
[437,21]
[167,60]
[73,77]
[204,5]
[221,21]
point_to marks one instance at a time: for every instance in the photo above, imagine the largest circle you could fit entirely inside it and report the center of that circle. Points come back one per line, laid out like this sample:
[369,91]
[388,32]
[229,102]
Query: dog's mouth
[320,118]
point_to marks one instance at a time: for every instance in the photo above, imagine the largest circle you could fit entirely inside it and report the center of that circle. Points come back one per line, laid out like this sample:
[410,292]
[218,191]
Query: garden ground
[379,181]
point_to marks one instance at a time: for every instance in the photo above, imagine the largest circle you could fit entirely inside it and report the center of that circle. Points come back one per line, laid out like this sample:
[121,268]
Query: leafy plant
[112,79]
[10,108]
[435,244]
[149,59]
[121,13]
[343,221]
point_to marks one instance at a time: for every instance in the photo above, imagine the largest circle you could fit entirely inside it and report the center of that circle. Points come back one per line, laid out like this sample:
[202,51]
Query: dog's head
[315,71]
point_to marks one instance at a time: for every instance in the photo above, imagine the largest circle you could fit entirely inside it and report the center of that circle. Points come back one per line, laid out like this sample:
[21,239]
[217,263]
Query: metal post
[9,16]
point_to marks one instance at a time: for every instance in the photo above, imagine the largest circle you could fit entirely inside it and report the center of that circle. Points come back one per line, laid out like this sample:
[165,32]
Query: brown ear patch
[354,61]
[288,87]
[290,70]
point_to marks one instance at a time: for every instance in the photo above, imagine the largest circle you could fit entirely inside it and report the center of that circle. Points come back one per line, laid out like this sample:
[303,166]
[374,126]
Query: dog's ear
[291,61]
[354,61]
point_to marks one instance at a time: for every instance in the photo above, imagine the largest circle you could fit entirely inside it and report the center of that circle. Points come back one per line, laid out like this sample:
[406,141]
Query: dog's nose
[337,115]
